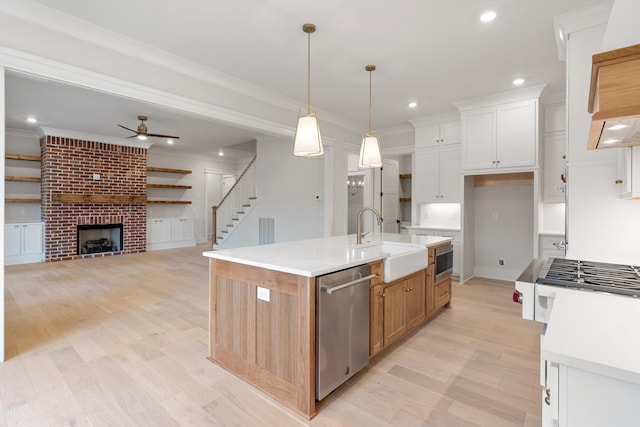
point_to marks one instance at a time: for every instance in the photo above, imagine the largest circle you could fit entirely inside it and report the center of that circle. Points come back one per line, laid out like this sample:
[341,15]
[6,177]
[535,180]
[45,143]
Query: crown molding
[23,133]
[435,119]
[396,130]
[126,142]
[501,98]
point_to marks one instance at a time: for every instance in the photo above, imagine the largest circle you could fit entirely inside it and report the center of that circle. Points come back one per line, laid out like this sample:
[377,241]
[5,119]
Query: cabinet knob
[497,161]
[564,156]
[493,161]
[619,181]
[383,295]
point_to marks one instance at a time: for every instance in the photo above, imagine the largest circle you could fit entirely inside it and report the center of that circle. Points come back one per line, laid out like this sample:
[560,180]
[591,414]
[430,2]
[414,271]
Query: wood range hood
[614,99]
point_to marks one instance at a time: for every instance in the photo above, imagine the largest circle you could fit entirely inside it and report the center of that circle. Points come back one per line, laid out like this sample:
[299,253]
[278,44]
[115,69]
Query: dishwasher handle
[331,289]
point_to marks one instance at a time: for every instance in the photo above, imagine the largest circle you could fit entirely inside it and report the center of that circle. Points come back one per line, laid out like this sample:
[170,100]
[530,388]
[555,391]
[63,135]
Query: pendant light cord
[308,72]
[370,108]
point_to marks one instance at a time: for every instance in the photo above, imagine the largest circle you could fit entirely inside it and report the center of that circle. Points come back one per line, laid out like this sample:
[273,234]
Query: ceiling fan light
[308,142]
[370,156]
[142,137]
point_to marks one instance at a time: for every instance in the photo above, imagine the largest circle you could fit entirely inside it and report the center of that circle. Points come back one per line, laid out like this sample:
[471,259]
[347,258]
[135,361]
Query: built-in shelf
[405,199]
[168,170]
[405,176]
[97,198]
[23,157]
[178,187]
[168,202]
[21,200]
[23,178]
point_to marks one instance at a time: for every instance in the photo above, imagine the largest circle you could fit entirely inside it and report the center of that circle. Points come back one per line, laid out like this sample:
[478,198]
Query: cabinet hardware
[564,156]
[547,399]
[382,295]
[493,161]
[619,181]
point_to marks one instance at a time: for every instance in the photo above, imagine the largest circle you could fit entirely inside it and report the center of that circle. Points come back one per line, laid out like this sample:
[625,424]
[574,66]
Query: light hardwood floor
[122,341]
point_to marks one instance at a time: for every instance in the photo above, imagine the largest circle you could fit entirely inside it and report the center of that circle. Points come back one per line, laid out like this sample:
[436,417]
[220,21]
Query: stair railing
[235,201]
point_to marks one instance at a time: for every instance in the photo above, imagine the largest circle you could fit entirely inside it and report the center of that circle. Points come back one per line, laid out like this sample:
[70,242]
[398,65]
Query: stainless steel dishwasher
[342,327]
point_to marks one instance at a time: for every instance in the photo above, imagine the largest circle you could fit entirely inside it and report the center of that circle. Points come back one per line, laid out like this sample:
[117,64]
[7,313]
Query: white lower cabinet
[23,243]
[170,233]
[574,397]
[628,173]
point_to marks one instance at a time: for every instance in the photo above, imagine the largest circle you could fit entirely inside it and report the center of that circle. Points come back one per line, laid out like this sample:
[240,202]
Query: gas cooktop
[596,276]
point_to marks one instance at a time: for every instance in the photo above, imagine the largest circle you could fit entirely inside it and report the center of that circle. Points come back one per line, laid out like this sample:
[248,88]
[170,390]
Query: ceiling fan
[142,133]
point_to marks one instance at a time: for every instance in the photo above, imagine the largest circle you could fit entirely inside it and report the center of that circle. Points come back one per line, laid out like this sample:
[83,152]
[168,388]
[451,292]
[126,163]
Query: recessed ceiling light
[518,81]
[169,141]
[488,16]
[617,127]
[413,104]
[220,153]
[32,119]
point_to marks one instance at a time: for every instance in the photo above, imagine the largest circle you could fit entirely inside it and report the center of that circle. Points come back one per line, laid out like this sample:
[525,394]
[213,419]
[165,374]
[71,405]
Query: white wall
[161,157]
[601,226]
[286,187]
[440,215]
[503,218]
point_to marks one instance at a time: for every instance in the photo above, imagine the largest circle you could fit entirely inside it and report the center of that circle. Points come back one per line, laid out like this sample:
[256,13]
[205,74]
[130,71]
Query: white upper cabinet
[553,187]
[500,132]
[436,175]
[436,135]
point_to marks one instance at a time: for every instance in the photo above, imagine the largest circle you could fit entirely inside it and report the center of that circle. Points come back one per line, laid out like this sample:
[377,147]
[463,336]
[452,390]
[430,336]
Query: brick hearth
[68,167]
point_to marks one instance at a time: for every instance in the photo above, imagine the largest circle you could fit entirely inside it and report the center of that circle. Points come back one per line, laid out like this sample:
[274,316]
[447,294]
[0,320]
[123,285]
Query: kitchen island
[263,307]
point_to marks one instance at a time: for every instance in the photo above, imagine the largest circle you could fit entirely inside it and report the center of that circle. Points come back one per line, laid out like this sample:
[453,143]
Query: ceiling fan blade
[131,130]
[162,136]
[132,136]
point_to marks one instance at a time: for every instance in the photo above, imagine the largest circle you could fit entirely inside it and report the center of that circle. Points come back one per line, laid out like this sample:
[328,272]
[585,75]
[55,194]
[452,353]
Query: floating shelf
[23,178]
[405,176]
[179,187]
[168,170]
[97,198]
[168,202]
[19,200]
[23,157]
[405,199]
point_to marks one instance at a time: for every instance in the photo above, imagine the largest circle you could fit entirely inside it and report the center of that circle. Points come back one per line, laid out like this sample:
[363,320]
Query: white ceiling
[434,52]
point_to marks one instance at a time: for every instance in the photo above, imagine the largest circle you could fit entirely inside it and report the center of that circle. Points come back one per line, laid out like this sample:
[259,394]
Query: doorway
[216,186]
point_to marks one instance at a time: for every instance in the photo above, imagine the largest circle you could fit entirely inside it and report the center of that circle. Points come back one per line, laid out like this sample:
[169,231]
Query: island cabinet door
[415,299]
[394,312]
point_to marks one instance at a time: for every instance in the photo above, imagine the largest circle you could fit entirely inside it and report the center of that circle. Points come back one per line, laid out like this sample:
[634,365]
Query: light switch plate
[264,294]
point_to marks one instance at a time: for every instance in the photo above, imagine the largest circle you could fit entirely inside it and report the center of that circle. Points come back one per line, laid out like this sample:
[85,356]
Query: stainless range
[576,274]
[589,347]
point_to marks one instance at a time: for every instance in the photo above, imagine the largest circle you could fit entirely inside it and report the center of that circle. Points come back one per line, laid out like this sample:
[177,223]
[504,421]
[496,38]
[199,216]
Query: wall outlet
[501,262]
[264,294]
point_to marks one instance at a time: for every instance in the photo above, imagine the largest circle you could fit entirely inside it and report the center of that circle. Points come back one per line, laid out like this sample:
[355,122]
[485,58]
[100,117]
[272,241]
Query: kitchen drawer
[442,293]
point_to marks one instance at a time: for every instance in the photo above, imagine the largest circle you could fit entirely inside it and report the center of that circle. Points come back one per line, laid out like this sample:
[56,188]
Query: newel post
[214,213]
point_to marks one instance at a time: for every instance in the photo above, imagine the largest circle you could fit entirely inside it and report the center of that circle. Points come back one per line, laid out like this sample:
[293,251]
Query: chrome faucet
[360,234]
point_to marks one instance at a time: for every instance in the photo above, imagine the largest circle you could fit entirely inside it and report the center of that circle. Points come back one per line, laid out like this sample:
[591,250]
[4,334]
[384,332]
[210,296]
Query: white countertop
[425,227]
[594,331]
[315,257]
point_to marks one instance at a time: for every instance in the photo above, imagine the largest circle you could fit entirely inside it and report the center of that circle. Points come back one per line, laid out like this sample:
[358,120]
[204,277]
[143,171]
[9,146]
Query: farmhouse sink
[401,259]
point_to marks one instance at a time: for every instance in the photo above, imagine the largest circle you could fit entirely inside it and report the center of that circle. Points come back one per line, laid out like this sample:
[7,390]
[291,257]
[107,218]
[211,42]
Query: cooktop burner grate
[596,276]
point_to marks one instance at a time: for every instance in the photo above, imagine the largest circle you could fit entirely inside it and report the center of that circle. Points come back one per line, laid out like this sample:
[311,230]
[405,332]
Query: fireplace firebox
[100,238]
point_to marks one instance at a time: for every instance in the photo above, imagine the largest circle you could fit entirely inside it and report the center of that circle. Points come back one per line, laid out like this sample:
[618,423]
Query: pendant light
[370,156]
[308,142]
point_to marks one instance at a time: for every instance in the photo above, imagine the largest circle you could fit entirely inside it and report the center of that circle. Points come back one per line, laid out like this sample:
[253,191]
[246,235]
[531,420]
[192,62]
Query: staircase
[234,206]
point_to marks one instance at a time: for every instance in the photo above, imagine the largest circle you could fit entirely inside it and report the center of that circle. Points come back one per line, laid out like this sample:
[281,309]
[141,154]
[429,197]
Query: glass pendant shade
[370,156]
[308,142]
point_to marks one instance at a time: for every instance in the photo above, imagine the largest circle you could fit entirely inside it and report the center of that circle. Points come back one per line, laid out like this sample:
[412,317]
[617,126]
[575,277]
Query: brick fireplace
[92,183]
